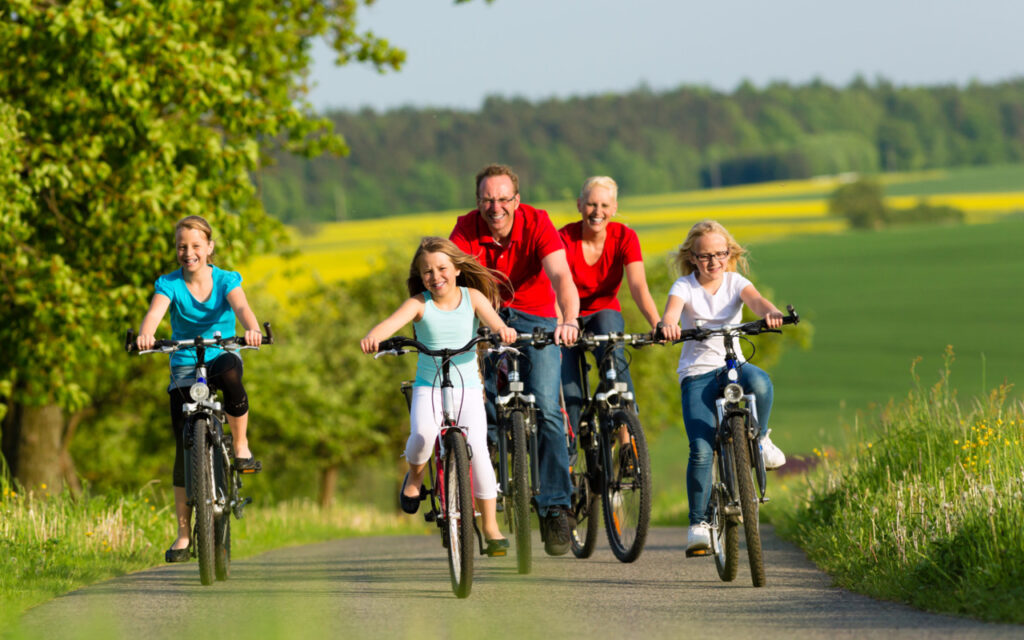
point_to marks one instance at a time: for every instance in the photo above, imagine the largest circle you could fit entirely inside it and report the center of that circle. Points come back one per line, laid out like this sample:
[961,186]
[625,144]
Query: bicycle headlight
[199,391]
[733,393]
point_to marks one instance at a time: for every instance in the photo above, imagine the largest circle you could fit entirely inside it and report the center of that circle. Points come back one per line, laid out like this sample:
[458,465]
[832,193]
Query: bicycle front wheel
[520,489]
[627,496]
[749,504]
[586,499]
[458,513]
[725,535]
[201,461]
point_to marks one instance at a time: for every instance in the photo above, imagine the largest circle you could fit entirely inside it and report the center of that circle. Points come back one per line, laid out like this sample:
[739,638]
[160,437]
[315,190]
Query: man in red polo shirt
[520,242]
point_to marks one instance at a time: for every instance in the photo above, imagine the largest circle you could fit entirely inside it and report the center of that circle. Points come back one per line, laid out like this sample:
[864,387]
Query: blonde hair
[474,274]
[196,223]
[737,254]
[599,181]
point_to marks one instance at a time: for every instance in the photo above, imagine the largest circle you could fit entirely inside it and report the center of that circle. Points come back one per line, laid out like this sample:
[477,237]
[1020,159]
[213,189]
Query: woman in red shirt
[599,252]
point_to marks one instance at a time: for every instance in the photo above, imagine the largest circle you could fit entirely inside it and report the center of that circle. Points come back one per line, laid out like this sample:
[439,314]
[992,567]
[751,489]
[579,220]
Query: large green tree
[120,118]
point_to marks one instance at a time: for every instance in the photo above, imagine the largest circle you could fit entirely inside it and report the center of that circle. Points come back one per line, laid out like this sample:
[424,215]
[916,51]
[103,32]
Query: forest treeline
[409,160]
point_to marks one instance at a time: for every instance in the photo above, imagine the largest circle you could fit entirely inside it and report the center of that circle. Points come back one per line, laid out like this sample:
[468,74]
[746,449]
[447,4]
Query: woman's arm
[409,311]
[240,305]
[761,306]
[485,311]
[636,278]
[147,330]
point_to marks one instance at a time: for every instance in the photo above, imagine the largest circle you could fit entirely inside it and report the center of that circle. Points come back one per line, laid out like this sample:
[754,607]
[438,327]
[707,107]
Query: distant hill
[410,160]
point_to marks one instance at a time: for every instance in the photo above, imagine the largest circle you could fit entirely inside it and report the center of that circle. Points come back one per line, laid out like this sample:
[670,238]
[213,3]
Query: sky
[538,49]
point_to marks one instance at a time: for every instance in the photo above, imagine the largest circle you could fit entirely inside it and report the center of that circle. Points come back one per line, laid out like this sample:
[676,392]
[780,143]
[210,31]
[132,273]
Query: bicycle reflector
[199,391]
[733,393]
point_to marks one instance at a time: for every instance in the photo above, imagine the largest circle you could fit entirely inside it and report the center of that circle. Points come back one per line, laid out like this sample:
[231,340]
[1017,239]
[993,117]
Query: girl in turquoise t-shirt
[203,300]
[449,291]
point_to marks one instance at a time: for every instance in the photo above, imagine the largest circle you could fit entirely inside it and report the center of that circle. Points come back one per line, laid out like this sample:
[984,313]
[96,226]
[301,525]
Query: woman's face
[597,207]
[193,249]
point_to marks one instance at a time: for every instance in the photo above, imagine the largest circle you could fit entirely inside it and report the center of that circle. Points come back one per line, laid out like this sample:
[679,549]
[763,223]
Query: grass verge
[928,511]
[55,544]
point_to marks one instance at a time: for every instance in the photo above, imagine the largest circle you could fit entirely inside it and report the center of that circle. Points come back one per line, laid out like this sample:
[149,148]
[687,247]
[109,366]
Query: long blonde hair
[474,274]
[737,254]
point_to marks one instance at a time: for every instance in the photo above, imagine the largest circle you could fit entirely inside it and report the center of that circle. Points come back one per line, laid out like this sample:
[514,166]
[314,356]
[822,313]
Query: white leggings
[426,421]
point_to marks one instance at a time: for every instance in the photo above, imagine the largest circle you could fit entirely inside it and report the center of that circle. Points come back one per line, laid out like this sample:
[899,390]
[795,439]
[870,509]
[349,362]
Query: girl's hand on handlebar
[508,335]
[773,319]
[670,332]
[369,344]
[146,342]
[253,337]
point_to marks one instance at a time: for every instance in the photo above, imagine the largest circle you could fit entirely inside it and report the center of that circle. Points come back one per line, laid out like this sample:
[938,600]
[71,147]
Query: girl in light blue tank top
[450,293]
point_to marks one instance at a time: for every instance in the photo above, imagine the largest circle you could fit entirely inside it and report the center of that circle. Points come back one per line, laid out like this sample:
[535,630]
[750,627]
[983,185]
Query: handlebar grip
[792,318]
[269,338]
[129,341]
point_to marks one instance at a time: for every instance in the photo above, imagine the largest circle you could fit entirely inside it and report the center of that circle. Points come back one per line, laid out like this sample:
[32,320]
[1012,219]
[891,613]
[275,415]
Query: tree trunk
[328,480]
[38,465]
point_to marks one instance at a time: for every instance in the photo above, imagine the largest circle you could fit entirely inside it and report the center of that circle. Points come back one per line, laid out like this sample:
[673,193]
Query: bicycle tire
[222,546]
[459,518]
[749,505]
[627,494]
[586,502]
[200,457]
[519,486]
[725,529]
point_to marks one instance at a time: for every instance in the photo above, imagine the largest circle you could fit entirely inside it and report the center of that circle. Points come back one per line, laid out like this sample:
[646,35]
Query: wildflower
[88,533]
[43,486]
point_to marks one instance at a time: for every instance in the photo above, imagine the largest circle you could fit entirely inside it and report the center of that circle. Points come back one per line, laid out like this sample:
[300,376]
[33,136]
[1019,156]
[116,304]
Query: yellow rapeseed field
[344,250]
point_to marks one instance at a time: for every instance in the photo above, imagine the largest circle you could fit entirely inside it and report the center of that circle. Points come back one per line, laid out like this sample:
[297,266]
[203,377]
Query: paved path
[398,588]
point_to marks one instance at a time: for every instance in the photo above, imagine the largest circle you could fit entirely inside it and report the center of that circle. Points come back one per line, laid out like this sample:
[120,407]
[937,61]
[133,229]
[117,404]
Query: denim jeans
[541,373]
[604,321]
[698,399]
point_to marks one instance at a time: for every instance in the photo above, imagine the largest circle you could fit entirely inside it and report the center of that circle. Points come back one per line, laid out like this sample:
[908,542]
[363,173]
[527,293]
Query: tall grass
[929,510]
[54,544]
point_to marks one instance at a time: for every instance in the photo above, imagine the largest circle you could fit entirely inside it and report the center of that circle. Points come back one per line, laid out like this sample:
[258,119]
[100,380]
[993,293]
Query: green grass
[922,506]
[55,544]
[1006,177]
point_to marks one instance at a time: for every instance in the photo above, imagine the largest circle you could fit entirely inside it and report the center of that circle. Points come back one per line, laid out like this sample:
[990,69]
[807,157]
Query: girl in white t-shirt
[711,291]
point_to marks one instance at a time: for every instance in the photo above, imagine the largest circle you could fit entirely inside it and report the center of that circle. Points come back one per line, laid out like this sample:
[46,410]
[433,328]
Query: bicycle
[737,459]
[450,495]
[212,482]
[609,461]
[515,457]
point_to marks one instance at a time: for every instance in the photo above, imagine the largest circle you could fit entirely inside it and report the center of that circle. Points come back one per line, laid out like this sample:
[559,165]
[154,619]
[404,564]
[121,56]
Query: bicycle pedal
[697,553]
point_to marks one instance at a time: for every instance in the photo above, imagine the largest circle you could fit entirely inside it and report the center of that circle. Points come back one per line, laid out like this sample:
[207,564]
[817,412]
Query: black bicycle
[609,462]
[212,482]
[738,462]
[450,494]
[515,458]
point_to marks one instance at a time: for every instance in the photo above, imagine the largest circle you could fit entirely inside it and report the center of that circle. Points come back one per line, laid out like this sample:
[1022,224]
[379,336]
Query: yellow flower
[88,533]
[43,486]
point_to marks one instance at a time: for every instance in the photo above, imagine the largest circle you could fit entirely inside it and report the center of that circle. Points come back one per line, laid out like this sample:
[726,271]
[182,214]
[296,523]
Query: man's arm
[557,268]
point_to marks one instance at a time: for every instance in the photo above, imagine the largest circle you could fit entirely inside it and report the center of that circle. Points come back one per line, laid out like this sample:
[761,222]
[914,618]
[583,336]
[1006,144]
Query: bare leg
[412,486]
[238,436]
[488,518]
[183,514]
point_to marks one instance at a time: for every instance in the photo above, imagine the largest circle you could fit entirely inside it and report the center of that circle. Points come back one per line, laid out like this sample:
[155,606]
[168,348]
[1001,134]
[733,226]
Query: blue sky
[536,49]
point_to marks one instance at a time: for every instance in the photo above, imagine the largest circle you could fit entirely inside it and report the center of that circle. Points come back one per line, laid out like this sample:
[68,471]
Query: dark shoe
[497,548]
[177,555]
[409,505]
[248,465]
[555,530]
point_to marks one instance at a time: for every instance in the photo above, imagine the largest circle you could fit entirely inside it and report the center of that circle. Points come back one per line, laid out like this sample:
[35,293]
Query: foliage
[861,202]
[925,509]
[650,142]
[925,213]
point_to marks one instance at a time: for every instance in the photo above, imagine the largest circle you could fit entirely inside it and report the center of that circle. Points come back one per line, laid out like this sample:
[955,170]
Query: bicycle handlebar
[396,346]
[170,346]
[751,328]
[592,340]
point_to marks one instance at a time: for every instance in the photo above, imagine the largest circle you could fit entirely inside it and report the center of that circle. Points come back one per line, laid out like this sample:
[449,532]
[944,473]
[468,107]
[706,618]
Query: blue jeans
[541,371]
[698,398]
[604,321]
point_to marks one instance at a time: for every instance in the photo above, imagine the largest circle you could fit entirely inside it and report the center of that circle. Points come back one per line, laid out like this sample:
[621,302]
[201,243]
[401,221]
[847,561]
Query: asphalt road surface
[399,588]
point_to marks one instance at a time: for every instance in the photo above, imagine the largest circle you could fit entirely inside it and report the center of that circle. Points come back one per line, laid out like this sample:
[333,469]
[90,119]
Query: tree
[132,115]
[861,202]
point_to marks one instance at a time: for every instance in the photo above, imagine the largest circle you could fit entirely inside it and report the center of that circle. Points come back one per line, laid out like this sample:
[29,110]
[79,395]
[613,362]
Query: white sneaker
[698,537]
[773,456]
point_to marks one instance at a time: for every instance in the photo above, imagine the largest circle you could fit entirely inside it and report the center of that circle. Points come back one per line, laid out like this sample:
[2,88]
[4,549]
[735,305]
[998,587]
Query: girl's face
[710,255]
[438,274]
[193,249]
[597,208]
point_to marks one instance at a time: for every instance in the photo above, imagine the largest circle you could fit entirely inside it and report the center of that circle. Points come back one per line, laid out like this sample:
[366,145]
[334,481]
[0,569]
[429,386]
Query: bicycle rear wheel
[749,505]
[519,488]
[458,513]
[586,501]
[627,497]
[201,461]
[725,535]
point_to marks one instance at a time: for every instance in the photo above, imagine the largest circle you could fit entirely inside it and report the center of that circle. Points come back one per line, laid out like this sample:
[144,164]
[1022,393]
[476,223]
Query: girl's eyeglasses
[707,257]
